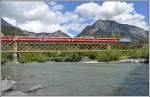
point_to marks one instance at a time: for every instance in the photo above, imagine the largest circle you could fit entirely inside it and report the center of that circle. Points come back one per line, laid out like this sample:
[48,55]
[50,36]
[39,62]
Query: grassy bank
[103,56]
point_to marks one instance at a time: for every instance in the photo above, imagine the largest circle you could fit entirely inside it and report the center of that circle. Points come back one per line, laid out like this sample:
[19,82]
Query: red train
[56,39]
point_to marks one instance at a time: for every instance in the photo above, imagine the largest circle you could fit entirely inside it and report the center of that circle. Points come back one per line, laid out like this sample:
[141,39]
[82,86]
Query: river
[81,79]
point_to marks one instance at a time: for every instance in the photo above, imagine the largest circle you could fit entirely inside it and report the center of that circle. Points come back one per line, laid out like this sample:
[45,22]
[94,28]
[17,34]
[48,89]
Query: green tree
[74,57]
[116,35]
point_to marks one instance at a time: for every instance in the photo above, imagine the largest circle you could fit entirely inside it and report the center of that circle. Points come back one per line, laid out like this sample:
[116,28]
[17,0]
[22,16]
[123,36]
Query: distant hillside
[58,33]
[8,29]
[108,28]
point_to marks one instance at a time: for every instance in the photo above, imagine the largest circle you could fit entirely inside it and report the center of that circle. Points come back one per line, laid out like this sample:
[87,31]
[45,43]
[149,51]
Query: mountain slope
[8,29]
[107,28]
[57,33]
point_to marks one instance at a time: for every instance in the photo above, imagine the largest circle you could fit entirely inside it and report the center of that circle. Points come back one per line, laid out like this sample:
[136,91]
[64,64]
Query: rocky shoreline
[119,61]
[129,60]
[7,88]
[134,61]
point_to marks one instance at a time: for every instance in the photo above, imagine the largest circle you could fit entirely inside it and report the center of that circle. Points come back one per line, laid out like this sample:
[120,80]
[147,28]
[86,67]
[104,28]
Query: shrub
[73,57]
[6,57]
[103,57]
[29,57]
[93,55]
[109,55]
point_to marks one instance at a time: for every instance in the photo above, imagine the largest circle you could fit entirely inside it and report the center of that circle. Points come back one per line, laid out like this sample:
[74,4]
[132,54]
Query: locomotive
[62,39]
[124,40]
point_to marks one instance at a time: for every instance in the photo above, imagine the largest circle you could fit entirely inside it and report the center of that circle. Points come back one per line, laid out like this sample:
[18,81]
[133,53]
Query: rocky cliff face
[107,28]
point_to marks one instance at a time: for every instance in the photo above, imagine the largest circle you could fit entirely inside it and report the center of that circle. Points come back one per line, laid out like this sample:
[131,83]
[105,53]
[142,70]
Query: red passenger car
[112,40]
[7,38]
[83,39]
[56,39]
[28,39]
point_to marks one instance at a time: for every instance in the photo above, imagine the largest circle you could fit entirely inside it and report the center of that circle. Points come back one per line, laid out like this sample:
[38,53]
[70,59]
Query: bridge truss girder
[67,47]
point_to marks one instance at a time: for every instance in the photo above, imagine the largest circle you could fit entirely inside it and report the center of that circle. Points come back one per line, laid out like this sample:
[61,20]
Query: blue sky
[140,6]
[72,17]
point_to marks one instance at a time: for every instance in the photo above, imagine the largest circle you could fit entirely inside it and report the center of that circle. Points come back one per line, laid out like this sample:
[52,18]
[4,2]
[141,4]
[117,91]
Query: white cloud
[54,6]
[87,9]
[41,27]
[33,16]
[51,16]
[121,12]
[10,21]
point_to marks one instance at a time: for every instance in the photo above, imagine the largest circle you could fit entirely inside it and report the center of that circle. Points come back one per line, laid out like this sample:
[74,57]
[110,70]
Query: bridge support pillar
[15,57]
[108,47]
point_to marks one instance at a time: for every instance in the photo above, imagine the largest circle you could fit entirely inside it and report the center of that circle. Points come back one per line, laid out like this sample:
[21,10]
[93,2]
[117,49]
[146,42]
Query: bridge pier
[15,57]
[108,46]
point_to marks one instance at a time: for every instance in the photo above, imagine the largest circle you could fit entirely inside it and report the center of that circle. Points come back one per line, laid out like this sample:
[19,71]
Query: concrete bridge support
[108,46]
[15,57]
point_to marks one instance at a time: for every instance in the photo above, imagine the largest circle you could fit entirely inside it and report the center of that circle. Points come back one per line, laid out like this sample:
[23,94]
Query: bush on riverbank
[142,53]
[6,57]
[73,57]
[110,55]
[103,56]
[30,57]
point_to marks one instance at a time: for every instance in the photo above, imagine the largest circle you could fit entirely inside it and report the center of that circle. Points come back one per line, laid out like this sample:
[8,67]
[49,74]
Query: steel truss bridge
[39,47]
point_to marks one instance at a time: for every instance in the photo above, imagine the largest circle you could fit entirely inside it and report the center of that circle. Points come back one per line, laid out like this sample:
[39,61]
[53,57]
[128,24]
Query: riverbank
[111,56]
[90,61]
[120,61]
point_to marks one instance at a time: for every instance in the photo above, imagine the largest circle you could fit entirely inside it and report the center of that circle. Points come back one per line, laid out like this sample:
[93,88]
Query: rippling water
[80,79]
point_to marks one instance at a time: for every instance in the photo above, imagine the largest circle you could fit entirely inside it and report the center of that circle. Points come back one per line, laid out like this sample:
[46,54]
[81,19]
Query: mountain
[57,33]
[8,29]
[109,28]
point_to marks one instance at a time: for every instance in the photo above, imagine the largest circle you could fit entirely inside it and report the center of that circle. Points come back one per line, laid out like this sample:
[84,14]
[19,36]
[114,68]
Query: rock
[133,60]
[17,93]
[35,88]
[7,84]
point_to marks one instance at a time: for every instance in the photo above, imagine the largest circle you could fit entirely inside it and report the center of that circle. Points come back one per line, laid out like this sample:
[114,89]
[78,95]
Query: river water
[81,79]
